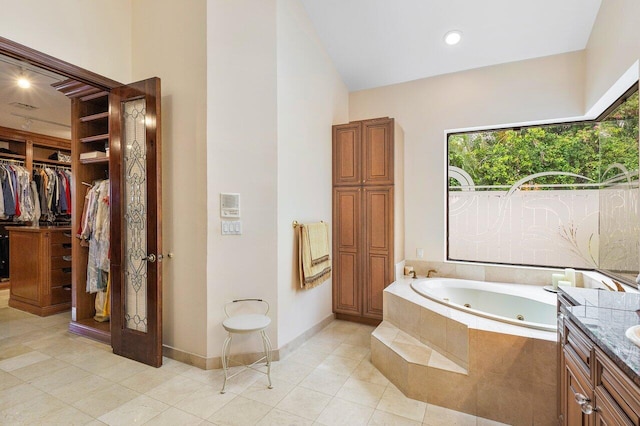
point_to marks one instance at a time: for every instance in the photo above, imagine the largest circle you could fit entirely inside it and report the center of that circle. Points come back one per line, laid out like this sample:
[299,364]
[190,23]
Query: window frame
[601,117]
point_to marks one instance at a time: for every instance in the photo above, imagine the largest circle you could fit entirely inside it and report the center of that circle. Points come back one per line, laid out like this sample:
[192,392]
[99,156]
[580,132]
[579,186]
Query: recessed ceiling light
[23,81]
[453,37]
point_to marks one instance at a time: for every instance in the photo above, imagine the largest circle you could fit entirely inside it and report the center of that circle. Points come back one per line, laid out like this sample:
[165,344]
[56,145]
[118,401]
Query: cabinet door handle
[150,258]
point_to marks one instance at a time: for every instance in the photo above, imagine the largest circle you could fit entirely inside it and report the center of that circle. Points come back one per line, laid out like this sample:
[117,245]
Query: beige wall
[241,156]
[95,35]
[614,46]
[159,50]
[311,97]
[538,89]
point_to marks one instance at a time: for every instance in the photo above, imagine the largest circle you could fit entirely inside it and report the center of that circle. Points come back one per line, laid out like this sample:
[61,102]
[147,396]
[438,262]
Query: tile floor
[49,376]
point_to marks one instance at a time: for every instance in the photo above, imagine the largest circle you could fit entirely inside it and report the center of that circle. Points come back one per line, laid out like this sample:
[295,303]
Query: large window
[555,195]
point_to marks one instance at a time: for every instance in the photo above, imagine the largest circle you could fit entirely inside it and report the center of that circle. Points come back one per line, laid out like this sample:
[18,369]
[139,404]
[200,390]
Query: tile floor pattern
[51,377]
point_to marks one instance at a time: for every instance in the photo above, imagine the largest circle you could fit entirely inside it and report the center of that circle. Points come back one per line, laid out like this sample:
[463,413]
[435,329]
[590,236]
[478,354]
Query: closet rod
[52,166]
[8,160]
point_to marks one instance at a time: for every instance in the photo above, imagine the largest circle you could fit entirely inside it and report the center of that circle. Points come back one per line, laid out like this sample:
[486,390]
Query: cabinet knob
[150,258]
[581,399]
[587,409]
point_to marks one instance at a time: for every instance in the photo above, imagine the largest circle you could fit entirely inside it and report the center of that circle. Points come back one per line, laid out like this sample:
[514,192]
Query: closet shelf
[4,156]
[104,160]
[54,162]
[94,117]
[95,138]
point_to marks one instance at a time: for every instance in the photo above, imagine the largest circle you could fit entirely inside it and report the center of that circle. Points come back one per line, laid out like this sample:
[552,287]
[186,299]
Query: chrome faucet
[430,271]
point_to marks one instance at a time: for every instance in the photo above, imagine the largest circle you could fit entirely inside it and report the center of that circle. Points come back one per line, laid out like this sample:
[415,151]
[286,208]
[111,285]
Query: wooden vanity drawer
[613,385]
[580,345]
[61,237]
[61,249]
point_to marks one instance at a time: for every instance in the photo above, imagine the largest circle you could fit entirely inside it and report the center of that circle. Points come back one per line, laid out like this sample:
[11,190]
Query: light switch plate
[231,227]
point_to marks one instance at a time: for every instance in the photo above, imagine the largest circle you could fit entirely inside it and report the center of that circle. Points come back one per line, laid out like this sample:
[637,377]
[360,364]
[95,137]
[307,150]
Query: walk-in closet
[35,218]
[93,243]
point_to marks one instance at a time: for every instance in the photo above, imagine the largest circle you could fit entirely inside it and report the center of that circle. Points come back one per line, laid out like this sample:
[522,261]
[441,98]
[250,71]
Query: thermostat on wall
[229,205]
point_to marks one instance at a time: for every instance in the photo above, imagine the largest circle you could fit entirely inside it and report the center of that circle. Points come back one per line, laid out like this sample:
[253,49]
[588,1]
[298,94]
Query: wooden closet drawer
[60,295]
[59,262]
[61,276]
[61,249]
[61,237]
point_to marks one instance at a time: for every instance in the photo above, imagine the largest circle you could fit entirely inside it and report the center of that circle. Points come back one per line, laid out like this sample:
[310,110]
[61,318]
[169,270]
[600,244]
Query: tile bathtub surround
[47,377]
[483,372]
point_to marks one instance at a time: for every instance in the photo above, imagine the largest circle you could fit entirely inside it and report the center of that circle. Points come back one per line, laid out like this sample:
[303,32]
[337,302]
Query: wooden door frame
[42,60]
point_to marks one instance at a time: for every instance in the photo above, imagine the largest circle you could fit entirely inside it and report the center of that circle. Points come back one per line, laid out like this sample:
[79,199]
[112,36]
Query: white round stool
[244,324]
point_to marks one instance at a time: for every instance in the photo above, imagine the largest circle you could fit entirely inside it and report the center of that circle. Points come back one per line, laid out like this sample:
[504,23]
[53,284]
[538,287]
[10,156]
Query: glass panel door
[136,221]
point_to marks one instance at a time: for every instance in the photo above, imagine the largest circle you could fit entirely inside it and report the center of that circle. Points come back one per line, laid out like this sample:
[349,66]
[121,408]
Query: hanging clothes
[16,200]
[54,193]
[94,230]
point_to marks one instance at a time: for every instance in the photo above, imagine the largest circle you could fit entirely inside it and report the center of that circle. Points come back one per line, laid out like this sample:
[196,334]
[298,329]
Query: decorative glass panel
[555,195]
[135,214]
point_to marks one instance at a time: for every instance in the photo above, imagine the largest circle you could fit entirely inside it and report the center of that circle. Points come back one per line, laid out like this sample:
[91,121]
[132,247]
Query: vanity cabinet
[363,217]
[576,378]
[594,390]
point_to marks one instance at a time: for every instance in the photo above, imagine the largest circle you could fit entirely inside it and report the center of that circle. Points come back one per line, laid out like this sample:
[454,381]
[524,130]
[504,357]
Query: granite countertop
[604,316]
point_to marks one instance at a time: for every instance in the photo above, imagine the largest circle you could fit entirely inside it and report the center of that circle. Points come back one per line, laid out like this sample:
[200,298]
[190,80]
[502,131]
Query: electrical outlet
[419,253]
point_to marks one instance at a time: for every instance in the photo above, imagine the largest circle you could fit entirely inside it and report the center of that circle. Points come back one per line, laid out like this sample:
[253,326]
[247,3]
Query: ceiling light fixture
[453,37]
[23,80]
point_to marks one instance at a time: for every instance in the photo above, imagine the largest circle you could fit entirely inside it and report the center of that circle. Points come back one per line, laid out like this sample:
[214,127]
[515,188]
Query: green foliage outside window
[503,157]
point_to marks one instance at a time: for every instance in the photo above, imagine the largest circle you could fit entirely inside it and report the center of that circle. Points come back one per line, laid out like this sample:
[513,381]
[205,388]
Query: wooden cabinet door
[26,261]
[378,247]
[608,413]
[347,250]
[576,384]
[136,221]
[346,154]
[377,152]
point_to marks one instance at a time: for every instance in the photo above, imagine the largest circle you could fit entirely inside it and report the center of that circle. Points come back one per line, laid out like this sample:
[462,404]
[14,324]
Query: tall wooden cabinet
[363,217]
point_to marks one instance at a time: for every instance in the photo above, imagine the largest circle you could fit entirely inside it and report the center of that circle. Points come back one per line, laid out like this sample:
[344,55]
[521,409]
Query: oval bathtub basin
[523,305]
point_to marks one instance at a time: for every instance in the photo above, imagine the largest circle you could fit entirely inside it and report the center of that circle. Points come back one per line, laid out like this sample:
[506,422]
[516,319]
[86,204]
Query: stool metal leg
[225,360]
[267,352]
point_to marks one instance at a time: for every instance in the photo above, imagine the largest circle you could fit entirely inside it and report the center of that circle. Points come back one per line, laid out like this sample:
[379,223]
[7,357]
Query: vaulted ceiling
[372,43]
[380,42]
